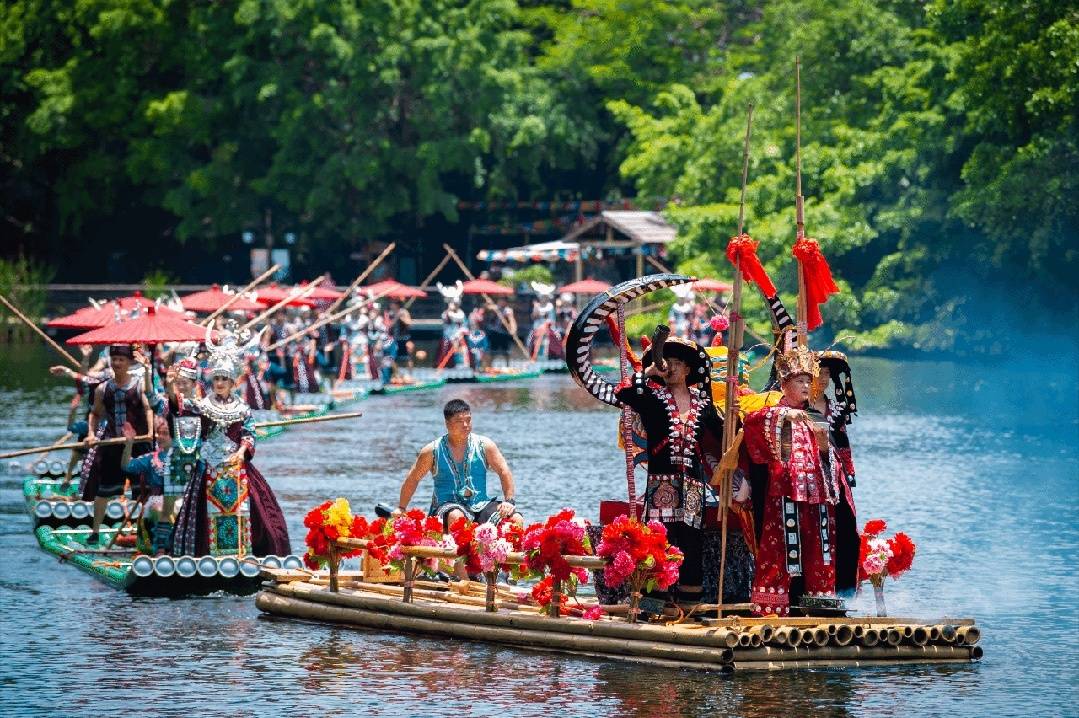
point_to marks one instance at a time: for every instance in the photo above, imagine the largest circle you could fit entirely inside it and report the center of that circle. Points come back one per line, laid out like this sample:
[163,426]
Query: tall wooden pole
[224,307]
[429,277]
[48,340]
[490,302]
[326,319]
[734,345]
[362,276]
[799,201]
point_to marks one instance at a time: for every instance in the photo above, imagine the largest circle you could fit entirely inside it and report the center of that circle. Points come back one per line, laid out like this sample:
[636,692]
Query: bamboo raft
[386,389]
[496,613]
[169,576]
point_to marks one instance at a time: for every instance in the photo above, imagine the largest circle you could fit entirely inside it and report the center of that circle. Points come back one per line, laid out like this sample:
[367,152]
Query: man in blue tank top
[458,462]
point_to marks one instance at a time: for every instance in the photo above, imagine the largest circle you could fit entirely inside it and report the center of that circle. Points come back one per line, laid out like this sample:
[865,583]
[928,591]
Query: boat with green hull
[124,568]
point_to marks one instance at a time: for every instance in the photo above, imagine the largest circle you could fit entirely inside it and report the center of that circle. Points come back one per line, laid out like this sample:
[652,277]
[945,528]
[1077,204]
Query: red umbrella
[91,318]
[710,285]
[586,286]
[274,294]
[322,291]
[394,290]
[485,286]
[154,327]
[212,299]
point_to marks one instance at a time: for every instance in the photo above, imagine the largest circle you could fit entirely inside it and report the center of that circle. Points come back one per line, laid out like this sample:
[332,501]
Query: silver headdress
[543,291]
[452,294]
[226,353]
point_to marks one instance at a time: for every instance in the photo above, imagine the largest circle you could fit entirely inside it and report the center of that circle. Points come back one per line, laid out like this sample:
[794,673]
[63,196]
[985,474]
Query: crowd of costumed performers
[792,539]
[188,449]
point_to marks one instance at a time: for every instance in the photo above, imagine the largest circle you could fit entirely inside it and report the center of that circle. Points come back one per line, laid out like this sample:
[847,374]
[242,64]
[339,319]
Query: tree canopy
[939,137]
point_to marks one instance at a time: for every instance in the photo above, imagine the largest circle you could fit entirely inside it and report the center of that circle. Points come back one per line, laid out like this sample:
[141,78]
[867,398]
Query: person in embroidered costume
[86,383]
[229,509]
[677,415]
[163,475]
[117,402]
[796,554]
[459,462]
[453,347]
[544,340]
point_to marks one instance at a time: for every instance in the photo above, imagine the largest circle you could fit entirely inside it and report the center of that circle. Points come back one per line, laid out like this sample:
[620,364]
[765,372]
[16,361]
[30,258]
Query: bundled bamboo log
[791,665]
[948,632]
[892,637]
[897,653]
[704,637]
[821,636]
[787,636]
[968,635]
[919,636]
[843,635]
[516,629]
[870,637]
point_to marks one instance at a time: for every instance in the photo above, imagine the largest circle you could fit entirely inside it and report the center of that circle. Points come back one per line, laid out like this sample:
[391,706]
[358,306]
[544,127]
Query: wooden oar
[224,307]
[59,441]
[362,276]
[306,420]
[490,302]
[74,445]
[36,328]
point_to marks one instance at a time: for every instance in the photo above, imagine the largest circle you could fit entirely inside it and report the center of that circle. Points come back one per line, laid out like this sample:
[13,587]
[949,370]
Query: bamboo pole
[73,445]
[254,283]
[734,345]
[428,278]
[308,420]
[48,340]
[292,296]
[799,203]
[362,276]
[490,303]
[59,441]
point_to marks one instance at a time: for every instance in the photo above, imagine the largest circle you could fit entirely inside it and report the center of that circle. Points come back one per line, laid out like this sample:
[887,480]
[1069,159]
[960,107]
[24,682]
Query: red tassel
[742,249]
[818,278]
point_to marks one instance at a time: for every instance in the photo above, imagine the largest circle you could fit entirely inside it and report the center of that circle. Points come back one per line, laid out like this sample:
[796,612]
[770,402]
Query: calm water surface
[978,465]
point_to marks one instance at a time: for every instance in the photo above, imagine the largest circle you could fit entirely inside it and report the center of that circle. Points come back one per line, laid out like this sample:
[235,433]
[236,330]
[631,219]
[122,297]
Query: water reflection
[977,468]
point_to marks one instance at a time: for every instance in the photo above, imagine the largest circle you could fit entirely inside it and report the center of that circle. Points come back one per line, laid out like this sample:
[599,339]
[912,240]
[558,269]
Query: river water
[979,465]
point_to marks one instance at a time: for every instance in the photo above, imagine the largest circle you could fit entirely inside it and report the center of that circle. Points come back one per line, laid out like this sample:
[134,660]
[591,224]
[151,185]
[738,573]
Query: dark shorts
[402,347]
[485,513]
[499,342]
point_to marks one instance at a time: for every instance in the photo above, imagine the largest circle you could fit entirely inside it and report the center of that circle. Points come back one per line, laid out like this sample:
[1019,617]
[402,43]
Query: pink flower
[873,564]
[592,613]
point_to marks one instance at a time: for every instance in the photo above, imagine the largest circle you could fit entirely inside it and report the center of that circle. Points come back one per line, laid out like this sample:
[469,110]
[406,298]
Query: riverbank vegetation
[941,147]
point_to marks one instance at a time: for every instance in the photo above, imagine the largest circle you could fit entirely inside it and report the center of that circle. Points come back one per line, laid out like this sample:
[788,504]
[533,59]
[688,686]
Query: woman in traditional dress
[230,509]
[676,412]
[545,340]
[453,347]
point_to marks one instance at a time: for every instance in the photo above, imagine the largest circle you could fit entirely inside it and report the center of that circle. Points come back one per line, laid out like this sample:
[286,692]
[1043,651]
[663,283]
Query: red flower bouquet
[640,555]
[411,529]
[545,545]
[328,522]
[484,547]
[879,557]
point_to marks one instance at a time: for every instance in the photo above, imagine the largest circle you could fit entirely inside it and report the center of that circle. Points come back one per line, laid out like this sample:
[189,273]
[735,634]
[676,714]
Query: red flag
[743,249]
[818,278]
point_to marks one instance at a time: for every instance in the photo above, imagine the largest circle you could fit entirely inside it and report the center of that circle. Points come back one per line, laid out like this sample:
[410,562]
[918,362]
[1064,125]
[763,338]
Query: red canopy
[711,285]
[485,286]
[154,327]
[273,294]
[322,291]
[394,290]
[586,286]
[212,299]
[90,318]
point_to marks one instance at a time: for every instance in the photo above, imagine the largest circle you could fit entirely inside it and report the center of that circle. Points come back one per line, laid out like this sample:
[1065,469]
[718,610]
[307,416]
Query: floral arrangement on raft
[639,555]
[879,557]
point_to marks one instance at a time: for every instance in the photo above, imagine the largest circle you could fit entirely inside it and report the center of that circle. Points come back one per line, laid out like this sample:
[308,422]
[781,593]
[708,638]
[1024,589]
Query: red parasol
[273,294]
[154,327]
[91,318]
[394,290]
[711,285]
[585,286]
[212,299]
[485,286]
[321,292]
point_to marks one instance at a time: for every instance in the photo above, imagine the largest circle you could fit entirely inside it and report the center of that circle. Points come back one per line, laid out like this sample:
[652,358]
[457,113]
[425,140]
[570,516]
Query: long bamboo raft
[141,575]
[498,614]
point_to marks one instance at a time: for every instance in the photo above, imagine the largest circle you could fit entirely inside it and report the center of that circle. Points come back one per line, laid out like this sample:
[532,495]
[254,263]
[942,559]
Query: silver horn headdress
[232,343]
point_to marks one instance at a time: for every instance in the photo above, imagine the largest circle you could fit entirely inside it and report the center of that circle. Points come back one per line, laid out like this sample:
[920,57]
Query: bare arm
[497,462]
[422,465]
[96,412]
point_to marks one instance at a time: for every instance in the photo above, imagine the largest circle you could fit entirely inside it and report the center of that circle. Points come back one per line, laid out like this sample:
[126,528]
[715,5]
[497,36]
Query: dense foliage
[941,151]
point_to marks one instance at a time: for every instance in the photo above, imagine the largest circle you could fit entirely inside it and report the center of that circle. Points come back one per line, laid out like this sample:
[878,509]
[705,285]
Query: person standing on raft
[675,407]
